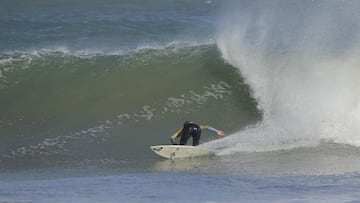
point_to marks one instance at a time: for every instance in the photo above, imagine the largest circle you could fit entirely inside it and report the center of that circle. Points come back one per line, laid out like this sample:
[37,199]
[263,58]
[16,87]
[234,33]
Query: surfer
[191,129]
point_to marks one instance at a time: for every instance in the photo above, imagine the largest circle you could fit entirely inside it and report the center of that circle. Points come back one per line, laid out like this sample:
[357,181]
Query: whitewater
[87,87]
[303,71]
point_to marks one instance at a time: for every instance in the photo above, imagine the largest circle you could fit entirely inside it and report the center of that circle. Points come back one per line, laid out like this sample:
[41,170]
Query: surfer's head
[187,122]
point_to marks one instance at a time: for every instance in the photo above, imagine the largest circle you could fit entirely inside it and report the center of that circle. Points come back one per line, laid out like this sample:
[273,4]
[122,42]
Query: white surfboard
[180,151]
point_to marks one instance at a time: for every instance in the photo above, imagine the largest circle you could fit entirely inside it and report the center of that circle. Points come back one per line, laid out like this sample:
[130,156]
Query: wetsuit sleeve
[174,136]
[207,127]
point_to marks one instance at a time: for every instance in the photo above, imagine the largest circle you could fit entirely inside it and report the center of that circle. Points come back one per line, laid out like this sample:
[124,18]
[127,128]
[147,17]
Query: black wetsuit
[190,130]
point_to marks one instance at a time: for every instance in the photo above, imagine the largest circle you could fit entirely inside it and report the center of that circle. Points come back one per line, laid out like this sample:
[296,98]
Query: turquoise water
[87,87]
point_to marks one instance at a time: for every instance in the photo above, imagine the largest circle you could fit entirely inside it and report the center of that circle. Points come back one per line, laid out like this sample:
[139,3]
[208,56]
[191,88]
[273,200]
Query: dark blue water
[169,187]
[102,26]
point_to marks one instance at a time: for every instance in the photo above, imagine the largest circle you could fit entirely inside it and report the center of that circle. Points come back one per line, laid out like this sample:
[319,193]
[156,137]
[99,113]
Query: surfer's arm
[207,127]
[174,136]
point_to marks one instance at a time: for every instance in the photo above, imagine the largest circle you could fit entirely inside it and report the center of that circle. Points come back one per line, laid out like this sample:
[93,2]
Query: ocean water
[87,86]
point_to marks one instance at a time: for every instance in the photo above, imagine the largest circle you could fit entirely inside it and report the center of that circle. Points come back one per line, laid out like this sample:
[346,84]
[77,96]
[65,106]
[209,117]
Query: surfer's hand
[220,133]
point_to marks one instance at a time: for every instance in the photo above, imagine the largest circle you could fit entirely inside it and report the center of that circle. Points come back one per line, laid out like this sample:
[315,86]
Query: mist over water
[300,59]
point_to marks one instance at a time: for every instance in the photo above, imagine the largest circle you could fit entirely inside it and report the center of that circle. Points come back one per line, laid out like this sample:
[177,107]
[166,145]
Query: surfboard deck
[180,151]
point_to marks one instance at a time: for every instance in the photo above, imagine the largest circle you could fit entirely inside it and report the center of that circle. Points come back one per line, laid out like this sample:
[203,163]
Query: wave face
[301,62]
[59,107]
[96,83]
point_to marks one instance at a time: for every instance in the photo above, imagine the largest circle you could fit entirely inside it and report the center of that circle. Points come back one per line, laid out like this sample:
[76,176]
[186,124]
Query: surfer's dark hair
[187,122]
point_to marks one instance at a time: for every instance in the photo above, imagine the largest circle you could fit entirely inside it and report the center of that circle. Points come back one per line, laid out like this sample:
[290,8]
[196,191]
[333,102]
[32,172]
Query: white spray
[301,60]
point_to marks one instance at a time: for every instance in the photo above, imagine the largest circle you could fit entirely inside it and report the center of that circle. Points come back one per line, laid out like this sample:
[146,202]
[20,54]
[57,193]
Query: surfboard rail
[180,151]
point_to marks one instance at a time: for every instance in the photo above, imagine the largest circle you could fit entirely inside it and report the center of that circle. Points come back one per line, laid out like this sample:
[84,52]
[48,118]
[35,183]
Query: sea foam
[300,60]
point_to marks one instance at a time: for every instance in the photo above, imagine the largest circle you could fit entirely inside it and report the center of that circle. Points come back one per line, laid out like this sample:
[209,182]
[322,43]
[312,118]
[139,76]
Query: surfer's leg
[196,137]
[184,137]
